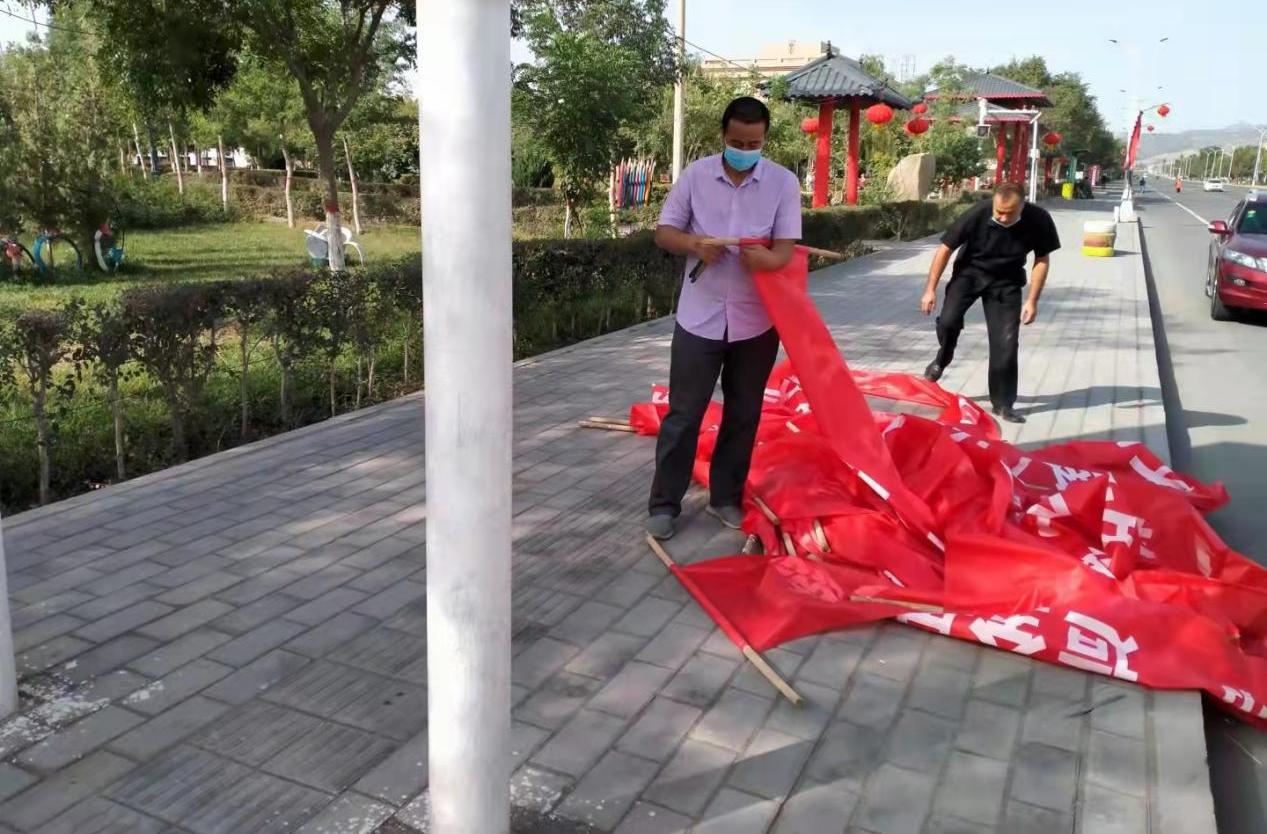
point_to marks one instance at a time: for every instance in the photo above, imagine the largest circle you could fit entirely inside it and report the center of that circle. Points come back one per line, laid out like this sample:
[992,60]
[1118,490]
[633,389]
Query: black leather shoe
[933,372]
[1010,414]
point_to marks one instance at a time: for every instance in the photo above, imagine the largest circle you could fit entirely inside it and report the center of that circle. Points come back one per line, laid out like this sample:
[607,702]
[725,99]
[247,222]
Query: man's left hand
[756,258]
[1029,312]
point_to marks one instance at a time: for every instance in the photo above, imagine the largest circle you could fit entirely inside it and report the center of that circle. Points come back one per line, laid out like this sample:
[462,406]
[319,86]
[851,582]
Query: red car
[1237,274]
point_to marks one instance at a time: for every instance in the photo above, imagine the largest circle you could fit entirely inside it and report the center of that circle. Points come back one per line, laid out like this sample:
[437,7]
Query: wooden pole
[356,202]
[754,657]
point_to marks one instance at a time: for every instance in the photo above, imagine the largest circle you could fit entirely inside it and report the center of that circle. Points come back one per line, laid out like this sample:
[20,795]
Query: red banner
[1089,554]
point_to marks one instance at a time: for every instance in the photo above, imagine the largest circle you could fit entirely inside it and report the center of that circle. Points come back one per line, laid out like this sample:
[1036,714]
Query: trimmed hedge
[166,361]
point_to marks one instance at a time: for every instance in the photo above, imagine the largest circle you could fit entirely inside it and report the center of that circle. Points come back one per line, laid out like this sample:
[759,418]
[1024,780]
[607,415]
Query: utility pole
[463,56]
[8,668]
[679,93]
[1258,158]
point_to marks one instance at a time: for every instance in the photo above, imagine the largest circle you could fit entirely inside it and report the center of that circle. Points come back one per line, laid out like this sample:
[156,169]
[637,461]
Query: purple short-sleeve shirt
[723,303]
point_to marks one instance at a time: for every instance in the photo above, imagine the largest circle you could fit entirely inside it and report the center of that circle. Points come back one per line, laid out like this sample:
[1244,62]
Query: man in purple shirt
[722,327]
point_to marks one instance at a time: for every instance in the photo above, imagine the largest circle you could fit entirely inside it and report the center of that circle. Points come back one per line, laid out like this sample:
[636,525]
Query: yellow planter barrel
[1066,190]
[1099,237]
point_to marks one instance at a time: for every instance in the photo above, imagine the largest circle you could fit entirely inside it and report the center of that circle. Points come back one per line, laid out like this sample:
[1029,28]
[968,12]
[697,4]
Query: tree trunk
[243,335]
[41,438]
[567,219]
[224,175]
[180,177]
[116,410]
[285,394]
[356,200]
[356,403]
[153,145]
[123,158]
[334,408]
[369,382]
[140,154]
[290,203]
[334,230]
[198,159]
[177,421]
[405,373]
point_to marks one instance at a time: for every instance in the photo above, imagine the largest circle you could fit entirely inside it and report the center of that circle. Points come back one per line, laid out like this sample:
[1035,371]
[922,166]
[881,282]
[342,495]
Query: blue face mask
[741,160]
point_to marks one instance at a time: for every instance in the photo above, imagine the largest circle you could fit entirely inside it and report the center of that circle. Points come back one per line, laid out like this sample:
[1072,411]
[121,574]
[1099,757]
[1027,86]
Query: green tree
[599,66]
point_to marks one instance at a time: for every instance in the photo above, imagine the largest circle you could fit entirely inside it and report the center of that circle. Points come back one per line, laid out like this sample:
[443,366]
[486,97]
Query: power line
[50,26]
[719,57]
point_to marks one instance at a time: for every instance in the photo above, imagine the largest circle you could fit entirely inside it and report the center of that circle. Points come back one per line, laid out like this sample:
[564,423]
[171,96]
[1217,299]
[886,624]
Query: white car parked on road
[1213,184]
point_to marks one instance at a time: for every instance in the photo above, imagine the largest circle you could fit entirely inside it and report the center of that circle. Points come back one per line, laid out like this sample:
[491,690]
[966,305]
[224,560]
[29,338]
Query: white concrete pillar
[8,668]
[464,116]
[679,92]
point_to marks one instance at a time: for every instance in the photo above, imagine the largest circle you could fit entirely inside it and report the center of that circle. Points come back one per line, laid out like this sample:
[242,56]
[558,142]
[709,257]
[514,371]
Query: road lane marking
[1200,219]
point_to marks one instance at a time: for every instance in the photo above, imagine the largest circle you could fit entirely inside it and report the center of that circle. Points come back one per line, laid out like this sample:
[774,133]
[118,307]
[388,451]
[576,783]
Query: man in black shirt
[994,238]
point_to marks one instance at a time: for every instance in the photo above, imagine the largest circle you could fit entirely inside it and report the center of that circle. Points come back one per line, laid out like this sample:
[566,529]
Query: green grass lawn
[200,253]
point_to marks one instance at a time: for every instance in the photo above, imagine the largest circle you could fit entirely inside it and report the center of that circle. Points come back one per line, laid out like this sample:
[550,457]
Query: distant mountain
[1156,146]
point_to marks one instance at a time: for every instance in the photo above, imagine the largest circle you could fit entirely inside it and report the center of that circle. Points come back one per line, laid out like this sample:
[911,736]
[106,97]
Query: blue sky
[1212,68]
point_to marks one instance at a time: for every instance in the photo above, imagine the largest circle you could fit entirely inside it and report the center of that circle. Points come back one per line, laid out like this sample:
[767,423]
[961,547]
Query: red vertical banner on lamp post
[1000,143]
[855,116]
[822,156]
[1133,149]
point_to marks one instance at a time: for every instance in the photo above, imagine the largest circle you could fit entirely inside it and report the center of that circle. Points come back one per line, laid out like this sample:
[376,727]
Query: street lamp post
[679,92]
[1126,211]
[464,119]
[1258,157]
[8,669]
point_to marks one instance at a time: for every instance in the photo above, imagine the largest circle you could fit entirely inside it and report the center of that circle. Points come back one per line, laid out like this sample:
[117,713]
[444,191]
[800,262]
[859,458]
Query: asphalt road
[1216,391]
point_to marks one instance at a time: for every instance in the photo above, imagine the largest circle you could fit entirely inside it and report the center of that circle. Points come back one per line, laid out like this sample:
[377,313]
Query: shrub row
[90,395]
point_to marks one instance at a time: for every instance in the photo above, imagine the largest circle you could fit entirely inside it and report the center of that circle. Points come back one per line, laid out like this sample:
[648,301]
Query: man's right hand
[709,253]
[928,302]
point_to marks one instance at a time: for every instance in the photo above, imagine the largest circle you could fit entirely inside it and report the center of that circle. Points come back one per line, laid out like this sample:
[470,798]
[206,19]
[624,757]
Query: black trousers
[745,368]
[1002,304]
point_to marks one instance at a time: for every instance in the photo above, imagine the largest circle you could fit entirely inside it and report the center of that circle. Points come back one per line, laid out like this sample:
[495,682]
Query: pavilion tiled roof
[835,76]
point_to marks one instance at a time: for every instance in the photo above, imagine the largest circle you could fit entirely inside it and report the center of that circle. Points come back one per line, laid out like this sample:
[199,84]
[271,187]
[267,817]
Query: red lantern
[1150,128]
[1052,138]
[809,124]
[879,114]
[917,126]
[1163,111]
[920,108]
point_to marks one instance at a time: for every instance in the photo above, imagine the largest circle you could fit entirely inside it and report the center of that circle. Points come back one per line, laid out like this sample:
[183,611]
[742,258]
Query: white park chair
[319,246]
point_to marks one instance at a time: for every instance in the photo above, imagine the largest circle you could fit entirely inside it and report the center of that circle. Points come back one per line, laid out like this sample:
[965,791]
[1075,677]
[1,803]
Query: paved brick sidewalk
[237,645]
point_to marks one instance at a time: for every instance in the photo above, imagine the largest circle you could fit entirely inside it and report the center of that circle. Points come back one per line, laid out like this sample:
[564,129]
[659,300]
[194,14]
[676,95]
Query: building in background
[773,60]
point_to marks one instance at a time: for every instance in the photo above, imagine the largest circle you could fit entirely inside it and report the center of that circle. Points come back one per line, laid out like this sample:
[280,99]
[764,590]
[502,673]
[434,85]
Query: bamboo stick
[611,421]
[590,424]
[734,241]
[754,657]
[766,511]
[900,603]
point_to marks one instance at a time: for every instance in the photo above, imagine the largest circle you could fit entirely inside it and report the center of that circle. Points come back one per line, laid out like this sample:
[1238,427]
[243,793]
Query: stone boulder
[912,177]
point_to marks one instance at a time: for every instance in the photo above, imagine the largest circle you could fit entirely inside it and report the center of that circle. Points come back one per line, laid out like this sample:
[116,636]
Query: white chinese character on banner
[1066,475]
[959,436]
[1048,510]
[1098,562]
[1242,700]
[1119,527]
[1160,475]
[1096,646]
[939,623]
[896,424]
[659,396]
[1008,629]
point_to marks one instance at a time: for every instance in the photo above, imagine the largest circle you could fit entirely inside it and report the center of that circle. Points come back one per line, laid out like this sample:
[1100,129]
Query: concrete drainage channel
[1235,779]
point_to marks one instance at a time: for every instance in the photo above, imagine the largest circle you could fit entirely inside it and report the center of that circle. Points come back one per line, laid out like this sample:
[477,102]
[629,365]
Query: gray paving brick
[386,603]
[585,624]
[1108,812]
[921,741]
[690,777]
[896,801]
[45,630]
[771,764]
[188,570]
[630,690]
[255,678]
[525,739]
[872,701]
[260,586]
[954,825]
[808,720]
[318,583]
[645,818]
[582,742]
[816,809]
[648,616]
[1031,819]
[101,816]
[536,791]
[388,574]
[846,755]
[941,690]
[607,791]
[535,664]
[1045,776]
[200,588]
[972,789]
[1182,786]
[733,720]
[48,654]
[1117,763]
[1003,678]
[40,803]
[656,733]
[1118,708]
[721,645]
[170,728]
[606,656]
[171,656]
[558,700]
[1054,722]
[107,657]
[325,638]
[119,579]
[1059,682]
[626,589]
[701,679]
[673,646]
[349,814]
[114,601]
[242,650]
[832,663]
[255,614]
[329,757]
[401,776]
[185,619]
[989,729]
[13,780]
[176,686]
[749,679]
[387,652]
[28,615]
[895,654]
